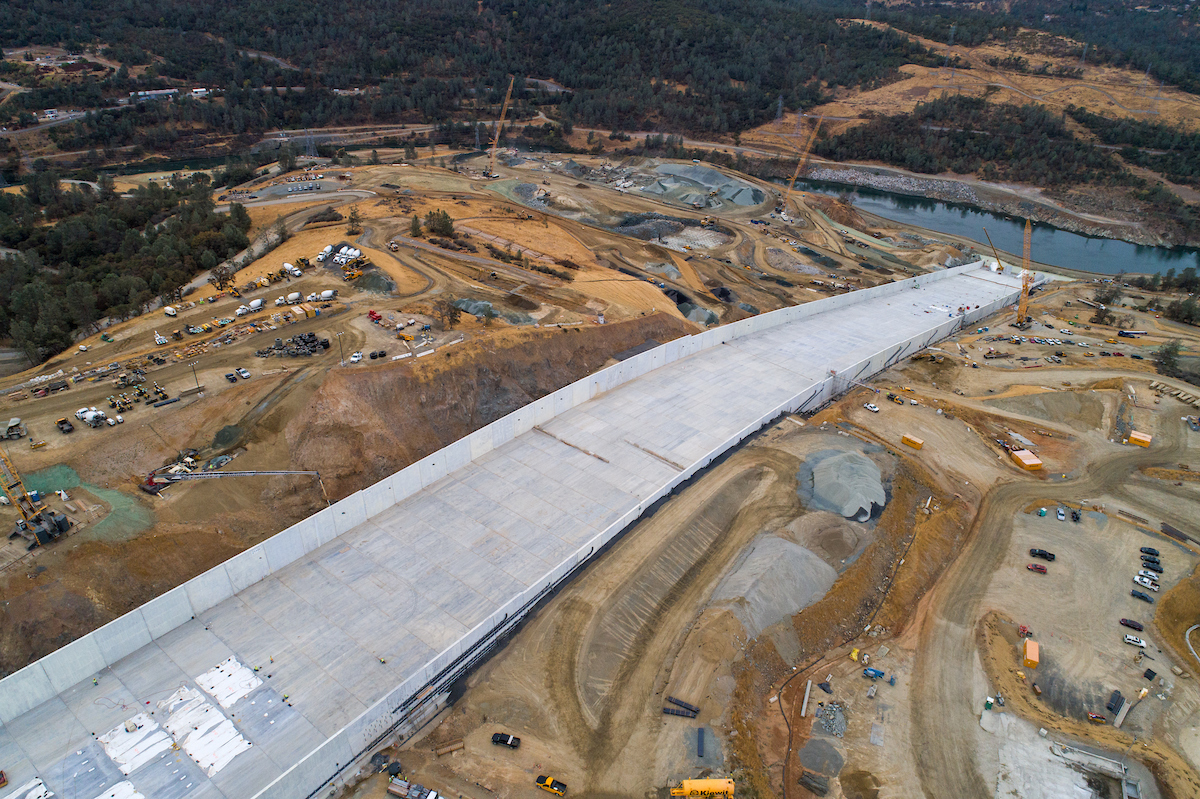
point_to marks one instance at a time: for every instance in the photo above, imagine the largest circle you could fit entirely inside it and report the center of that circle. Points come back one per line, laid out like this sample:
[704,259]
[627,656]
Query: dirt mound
[363,425]
[1080,410]
[781,260]
[831,537]
[842,213]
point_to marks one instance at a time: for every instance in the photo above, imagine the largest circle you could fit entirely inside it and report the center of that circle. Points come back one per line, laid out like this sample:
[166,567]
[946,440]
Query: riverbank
[1019,202]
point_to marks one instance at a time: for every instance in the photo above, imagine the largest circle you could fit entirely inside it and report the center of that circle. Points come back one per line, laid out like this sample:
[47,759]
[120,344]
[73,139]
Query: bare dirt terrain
[584,680]
[734,592]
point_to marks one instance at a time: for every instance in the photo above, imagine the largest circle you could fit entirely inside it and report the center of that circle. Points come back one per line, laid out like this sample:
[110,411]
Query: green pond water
[129,516]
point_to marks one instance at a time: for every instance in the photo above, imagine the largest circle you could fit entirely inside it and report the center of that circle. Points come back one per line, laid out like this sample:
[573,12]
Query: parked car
[872,407]
[504,739]
[1150,559]
[551,785]
[1152,567]
[1062,515]
[1041,553]
[1133,625]
[1133,640]
[1149,575]
[1036,567]
[1150,551]
[1139,595]
[242,373]
[1144,583]
[356,357]
[231,377]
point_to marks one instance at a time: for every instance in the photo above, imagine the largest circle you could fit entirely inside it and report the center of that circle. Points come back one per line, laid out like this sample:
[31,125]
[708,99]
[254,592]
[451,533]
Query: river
[1050,245]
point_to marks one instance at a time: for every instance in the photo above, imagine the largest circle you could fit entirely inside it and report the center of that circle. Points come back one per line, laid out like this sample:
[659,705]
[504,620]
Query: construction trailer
[1026,460]
[1141,439]
[1029,653]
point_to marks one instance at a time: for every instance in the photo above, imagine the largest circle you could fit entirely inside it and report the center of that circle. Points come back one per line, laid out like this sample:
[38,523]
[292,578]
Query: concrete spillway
[278,672]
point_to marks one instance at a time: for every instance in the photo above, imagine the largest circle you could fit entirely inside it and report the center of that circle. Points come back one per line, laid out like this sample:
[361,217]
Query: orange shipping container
[1141,439]
[912,441]
[1030,653]
[1026,460]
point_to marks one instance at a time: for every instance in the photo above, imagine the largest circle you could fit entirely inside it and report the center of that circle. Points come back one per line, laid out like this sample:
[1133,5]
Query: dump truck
[15,429]
[723,787]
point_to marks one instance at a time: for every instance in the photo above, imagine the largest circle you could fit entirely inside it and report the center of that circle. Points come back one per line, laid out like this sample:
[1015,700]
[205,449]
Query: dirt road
[942,676]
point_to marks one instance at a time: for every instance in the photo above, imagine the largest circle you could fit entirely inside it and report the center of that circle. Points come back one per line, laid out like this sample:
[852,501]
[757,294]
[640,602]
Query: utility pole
[193,365]
[340,350]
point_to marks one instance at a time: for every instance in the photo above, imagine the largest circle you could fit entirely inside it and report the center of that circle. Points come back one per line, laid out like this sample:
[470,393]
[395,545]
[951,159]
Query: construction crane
[159,480]
[999,263]
[38,524]
[1023,319]
[803,162]
[500,127]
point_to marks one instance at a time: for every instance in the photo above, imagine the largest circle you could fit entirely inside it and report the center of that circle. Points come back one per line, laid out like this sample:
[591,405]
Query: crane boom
[14,489]
[500,126]
[803,162]
[1026,277]
[999,263]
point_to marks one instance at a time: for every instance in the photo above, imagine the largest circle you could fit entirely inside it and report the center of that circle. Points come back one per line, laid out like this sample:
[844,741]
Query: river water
[1050,245]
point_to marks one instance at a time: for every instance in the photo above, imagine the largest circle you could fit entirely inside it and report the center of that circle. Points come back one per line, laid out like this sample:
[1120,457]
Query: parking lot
[1074,610]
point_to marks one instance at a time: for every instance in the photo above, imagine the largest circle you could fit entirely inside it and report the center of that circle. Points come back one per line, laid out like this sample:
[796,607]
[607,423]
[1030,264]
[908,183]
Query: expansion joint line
[569,444]
[654,454]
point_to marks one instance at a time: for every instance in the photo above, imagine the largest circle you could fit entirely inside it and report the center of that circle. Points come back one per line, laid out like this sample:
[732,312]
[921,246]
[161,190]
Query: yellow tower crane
[1023,319]
[500,127]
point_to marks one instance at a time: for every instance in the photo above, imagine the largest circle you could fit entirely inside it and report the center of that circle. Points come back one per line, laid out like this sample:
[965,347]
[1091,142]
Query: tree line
[969,135]
[700,66]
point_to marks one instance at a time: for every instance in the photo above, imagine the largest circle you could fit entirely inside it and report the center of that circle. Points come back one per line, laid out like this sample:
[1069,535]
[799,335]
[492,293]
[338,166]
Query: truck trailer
[704,788]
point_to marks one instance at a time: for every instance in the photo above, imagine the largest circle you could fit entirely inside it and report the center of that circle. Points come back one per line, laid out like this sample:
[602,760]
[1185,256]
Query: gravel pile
[832,719]
[772,580]
[846,483]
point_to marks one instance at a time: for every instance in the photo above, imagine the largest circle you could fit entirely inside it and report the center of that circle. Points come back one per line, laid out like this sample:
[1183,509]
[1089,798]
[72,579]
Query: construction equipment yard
[693,456]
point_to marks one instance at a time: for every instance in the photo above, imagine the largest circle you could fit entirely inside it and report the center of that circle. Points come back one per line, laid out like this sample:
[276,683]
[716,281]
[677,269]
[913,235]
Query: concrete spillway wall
[412,701]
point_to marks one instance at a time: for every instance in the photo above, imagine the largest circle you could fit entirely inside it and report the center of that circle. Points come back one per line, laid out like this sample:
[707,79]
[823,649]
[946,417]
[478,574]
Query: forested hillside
[702,65]
[103,255]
